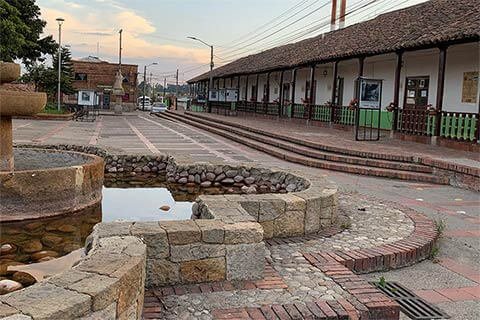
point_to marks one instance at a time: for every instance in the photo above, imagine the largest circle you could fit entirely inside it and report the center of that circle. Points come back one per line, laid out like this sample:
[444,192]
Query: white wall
[460,59]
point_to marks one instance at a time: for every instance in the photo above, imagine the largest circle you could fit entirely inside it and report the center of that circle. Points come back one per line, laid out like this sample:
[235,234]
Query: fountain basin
[21,103]
[48,183]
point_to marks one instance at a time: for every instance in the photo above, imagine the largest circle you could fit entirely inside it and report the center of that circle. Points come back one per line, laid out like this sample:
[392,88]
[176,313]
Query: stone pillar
[6,147]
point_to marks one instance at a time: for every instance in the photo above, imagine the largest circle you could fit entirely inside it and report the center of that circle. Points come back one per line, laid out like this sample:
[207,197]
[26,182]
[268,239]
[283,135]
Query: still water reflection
[34,247]
[142,204]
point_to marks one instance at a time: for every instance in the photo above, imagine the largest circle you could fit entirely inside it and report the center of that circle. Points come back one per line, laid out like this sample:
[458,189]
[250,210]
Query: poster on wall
[370,93]
[470,87]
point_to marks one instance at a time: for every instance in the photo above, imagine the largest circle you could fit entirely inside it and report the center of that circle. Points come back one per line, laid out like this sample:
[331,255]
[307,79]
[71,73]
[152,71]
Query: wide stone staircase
[314,154]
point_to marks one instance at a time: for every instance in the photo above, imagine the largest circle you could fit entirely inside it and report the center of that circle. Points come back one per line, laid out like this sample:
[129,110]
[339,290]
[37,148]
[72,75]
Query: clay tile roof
[425,25]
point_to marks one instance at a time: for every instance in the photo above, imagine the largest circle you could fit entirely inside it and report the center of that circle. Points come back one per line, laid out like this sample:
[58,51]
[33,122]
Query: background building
[95,75]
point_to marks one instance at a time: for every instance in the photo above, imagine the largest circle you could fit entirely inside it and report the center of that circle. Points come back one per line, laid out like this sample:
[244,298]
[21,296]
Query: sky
[157,30]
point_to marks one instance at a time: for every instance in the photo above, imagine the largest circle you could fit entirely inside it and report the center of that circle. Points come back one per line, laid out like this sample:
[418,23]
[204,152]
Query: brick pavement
[458,208]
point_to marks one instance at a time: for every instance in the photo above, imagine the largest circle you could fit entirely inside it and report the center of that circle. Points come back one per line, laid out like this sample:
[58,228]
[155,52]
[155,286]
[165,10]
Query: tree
[67,71]
[45,78]
[20,30]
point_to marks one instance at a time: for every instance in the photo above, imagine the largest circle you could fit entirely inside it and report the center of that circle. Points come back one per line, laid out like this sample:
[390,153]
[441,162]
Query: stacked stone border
[225,241]
[457,175]
[107,284]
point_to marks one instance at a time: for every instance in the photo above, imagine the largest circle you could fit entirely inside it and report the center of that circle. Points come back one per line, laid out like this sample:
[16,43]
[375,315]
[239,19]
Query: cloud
[85,26]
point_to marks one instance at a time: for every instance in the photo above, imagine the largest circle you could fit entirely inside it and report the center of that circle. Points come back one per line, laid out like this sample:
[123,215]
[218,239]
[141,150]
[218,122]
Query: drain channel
[411,304]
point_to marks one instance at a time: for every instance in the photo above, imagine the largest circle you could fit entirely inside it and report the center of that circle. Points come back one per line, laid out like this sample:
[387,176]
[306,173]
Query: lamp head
[193,38]
[60,20]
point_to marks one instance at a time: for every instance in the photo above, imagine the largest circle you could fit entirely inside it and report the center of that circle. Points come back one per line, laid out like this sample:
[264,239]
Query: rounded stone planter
[9,71]
[47,183]
[20,103]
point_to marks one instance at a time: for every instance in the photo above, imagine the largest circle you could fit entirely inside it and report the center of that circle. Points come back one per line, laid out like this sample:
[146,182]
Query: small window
[81,76]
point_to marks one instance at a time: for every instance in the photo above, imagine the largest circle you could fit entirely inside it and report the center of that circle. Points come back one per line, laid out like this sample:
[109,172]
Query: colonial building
[425,56]
[98,76]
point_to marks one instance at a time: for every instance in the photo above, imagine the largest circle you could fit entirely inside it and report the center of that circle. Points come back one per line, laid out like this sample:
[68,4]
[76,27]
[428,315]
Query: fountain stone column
[14,102]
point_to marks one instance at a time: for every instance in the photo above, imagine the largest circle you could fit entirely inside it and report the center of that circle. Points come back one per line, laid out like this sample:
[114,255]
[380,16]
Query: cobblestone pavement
[452,282]
[372,224]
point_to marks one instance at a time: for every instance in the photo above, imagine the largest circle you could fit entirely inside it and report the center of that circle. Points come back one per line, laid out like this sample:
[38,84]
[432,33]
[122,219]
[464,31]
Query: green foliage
[45,78]
[382,282]
[20,30]
[440,226]
[67,71]
[434,253]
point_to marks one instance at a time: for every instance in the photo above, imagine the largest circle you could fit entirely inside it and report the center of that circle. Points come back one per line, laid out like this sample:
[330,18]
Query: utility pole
[151,85]
[144,86]
[59,93]
[120,51]
[176,89]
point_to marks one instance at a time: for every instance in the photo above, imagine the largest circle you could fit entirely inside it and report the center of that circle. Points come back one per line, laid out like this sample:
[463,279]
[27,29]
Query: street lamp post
[60,22]
[145,83]
[210,82]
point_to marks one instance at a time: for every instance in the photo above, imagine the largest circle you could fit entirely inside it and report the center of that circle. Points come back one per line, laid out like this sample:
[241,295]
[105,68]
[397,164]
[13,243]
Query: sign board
[470,87]
[87,98]
[370,93]
[213,95]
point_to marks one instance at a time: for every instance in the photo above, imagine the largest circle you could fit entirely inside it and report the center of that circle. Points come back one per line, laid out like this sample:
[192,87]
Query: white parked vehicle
[158,107]
[144,104]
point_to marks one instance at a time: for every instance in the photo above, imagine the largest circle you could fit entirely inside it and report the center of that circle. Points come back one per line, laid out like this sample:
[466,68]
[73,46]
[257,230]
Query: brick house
[93,74]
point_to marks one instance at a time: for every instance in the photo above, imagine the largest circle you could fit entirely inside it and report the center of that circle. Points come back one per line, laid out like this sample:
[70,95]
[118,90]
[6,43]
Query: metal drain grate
[411,304]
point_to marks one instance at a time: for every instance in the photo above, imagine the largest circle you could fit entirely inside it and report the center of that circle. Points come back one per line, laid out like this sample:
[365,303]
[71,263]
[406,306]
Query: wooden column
[361,62]
[334,91]
[267,96]
[396,90]
[280,95]
[294,80]
[442,60]
[238,88]
[310,98]
[246,89]
[256,93]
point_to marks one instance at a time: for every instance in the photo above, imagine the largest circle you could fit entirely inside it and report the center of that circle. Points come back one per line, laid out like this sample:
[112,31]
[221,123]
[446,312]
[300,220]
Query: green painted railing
[457,125]
[197,108]
[322,113]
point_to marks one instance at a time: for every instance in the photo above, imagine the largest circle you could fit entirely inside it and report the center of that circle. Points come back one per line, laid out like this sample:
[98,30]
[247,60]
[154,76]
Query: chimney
[334,15]
[343,8]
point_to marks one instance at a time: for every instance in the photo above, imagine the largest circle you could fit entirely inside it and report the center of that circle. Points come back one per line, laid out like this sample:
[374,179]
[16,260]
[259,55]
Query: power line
[274,26]
[267,23]
[283,28]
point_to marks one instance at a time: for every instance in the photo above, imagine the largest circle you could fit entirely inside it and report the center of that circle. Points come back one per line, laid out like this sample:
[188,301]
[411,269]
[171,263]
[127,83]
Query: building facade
[95,75]
[429,73]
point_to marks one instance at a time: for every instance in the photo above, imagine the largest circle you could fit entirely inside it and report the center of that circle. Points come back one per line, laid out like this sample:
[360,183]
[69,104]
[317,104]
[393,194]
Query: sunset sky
[157,30]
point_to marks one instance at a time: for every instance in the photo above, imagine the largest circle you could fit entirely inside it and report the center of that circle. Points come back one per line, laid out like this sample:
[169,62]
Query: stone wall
[107,284]
[225,239]
[181,252]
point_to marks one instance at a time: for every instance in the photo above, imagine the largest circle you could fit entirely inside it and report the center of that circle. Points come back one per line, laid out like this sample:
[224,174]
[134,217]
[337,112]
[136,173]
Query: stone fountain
[35,182]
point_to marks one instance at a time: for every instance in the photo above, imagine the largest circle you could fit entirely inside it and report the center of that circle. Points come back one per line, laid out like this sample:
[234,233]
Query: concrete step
[312,144]
[316,153]
[306,160]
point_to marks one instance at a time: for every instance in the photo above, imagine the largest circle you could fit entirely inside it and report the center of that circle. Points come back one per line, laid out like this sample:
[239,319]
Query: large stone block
[181,232]
[109,313]
[48,302]
[196,251]
[103,263]
[161,272]
[291,224]
[212,230]
[270,209]
[267,229]
[245,261]
[131,282]
[155,238]
[102,289]
[243,232]
[121,245]
[205,270]
[292,202]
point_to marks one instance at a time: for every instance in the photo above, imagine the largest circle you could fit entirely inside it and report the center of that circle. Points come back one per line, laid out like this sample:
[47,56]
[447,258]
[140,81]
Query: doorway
[416,92]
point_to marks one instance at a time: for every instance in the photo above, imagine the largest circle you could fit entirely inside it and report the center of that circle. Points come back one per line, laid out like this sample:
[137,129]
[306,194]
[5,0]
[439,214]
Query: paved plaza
[451,280]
